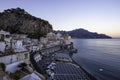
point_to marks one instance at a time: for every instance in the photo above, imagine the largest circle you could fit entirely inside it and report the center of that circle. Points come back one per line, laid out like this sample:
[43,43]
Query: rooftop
[69,71]
[31,76]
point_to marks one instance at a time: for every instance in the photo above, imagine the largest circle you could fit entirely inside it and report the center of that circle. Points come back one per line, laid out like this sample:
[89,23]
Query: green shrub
[14,77]
[22,65]
[3,66]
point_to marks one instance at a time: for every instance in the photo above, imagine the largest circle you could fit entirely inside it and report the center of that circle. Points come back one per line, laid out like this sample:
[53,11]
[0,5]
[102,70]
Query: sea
[99,57]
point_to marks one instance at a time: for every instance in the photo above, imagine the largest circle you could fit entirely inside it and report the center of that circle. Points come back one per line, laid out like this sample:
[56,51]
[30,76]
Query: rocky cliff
[19,21]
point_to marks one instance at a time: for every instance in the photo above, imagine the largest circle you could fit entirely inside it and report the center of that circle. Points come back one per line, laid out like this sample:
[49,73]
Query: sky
[101,16]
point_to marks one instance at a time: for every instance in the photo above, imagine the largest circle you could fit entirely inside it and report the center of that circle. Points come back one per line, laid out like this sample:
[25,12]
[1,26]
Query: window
[7,36]
[26,55]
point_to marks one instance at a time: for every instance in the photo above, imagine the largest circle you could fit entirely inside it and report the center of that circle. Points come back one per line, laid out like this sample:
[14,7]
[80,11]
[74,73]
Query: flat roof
[68,71]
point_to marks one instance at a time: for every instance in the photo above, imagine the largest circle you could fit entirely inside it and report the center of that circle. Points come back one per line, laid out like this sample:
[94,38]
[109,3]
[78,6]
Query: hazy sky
[102,16]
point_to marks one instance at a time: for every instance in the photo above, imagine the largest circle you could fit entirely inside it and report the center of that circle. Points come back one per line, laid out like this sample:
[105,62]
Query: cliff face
[19,21]
[82,33]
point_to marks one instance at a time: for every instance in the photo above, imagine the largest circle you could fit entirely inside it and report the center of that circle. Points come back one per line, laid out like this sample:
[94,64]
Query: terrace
[68,71]
[61,56]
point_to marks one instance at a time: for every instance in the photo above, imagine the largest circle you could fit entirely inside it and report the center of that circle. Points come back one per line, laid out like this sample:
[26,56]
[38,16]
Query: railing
[53,49]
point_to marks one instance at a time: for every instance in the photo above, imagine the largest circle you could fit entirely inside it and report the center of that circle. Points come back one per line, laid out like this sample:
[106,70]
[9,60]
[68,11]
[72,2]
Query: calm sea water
[100,57]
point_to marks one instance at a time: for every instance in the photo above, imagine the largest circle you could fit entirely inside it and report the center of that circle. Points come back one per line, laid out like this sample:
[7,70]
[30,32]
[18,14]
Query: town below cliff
[18,21]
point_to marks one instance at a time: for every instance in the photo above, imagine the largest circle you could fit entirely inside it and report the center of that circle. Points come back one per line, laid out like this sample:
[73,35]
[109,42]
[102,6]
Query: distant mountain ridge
[82,33]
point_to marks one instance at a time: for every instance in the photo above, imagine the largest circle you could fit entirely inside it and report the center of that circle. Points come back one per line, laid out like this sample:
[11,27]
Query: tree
[22,65]
[3,66]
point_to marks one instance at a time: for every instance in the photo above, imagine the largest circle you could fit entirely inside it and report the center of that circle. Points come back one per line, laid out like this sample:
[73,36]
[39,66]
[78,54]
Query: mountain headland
[82,33]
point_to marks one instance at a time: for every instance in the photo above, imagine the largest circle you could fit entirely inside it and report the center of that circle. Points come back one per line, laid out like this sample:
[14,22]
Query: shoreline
[41,66]
[86,73]
[89,76]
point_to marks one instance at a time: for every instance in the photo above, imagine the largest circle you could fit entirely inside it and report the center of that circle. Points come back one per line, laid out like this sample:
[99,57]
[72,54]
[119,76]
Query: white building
[58,36]
[31,76]
[43,40]
[2,47]
[37,57]
[67,39]
[13,59]
[34,48]
[5,36]
[51,36]
[19,36]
